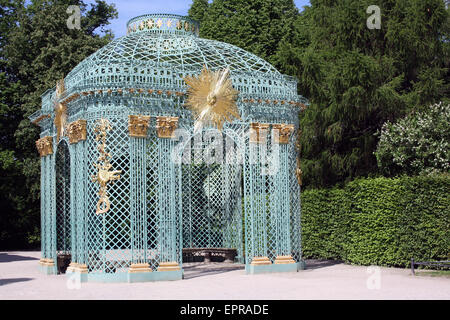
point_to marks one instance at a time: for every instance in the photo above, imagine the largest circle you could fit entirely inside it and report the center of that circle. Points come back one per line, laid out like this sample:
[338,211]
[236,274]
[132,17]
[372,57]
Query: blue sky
[131,8]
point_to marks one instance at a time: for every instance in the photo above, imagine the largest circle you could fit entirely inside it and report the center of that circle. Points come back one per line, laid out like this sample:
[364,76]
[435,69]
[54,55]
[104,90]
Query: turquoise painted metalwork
[160,206]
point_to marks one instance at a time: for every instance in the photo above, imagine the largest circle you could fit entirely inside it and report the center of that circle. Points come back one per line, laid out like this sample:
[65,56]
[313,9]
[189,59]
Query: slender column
[169,255]
[137,129]
[73,203]
[43,220]
[282,195]
[77,133]
[52,208]
[138,197]
[295,207]
[81,180]
[258,157]
[47,212]
[167,202]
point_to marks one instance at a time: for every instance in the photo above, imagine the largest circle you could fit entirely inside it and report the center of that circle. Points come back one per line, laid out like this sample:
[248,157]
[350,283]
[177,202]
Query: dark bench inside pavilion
[209,254]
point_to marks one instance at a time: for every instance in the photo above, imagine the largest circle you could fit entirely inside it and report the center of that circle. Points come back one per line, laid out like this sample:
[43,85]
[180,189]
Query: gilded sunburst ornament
[212,98]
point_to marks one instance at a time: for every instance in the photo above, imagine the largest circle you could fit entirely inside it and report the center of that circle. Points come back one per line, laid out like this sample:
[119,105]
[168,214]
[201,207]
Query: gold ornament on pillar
[212,98]
[298,170]
[60,110]
[104,175]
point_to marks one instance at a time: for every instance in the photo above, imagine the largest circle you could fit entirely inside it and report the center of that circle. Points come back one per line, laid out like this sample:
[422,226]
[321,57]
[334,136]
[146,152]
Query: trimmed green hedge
[379,221]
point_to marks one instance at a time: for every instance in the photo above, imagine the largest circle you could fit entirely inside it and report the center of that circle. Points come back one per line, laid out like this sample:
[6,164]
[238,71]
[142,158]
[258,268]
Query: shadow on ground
[13,280]
[201,269]
[317,264]
[195,270]
[6,257]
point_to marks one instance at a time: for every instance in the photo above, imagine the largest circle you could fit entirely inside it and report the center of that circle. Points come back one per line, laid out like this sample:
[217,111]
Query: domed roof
[156,55]
[172,41]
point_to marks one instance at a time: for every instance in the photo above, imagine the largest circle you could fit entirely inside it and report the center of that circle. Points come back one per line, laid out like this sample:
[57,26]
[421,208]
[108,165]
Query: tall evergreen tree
[357,78]
[198,9]
[38,50]
[254,25]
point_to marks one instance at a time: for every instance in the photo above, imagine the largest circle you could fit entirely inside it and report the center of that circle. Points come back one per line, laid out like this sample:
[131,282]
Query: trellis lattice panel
[271,200]
[108,243]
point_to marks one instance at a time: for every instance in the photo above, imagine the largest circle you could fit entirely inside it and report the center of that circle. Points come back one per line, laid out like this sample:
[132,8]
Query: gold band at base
[259,261]
[81,268]
[47,262]
[169,266]
[284,260]
[72,267]
[139,267]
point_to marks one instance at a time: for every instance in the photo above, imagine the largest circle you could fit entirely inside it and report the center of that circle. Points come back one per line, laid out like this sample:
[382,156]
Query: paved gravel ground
[20,279]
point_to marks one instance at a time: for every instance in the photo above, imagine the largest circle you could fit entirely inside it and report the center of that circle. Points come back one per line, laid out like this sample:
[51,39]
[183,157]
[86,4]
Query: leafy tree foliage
[416,144]
[357,78]
[254,25]
[37,48]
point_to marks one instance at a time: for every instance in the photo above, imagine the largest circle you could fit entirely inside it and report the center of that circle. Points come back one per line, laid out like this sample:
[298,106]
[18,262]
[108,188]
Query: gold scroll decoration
[45,146]
[298,172]
[60,110]
[104,174]
[285,131]
[212,98]
[138,125]
[165,126]
[258,132]
[77,131]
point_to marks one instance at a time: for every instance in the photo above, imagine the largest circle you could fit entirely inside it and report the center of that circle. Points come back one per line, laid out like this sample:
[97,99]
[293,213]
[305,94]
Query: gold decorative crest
[212,98]
[60,110]
[77,131]
[45,146]
[165,126]
[104,174]
[138,125]
[285,131]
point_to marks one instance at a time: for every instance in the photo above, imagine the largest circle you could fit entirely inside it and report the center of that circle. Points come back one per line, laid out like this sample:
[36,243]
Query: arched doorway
[211,204]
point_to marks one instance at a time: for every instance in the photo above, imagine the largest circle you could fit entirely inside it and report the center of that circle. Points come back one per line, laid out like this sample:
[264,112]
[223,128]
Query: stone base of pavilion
[281,264]
[136,273]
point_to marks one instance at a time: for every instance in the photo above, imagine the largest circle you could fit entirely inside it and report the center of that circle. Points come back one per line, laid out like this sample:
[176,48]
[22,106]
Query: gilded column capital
[258,132]
[285,131]
[138,125]
[45,146]
[165,126]
[77,131]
